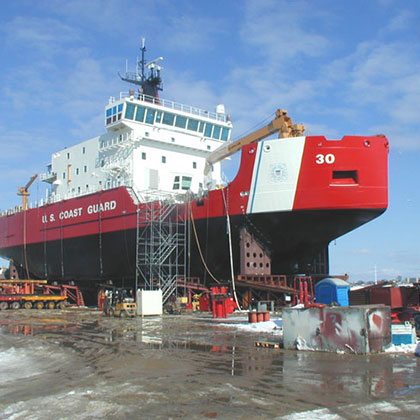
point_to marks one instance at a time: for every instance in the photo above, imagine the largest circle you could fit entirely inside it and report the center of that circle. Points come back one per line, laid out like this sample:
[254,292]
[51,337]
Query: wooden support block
[267,344]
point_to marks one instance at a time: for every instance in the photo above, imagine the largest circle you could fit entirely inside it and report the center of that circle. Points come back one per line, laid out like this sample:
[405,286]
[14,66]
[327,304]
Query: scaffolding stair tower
[161,252]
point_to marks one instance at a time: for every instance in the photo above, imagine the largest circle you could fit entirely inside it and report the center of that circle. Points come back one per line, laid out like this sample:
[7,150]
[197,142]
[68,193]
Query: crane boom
[24,193]
[282,124]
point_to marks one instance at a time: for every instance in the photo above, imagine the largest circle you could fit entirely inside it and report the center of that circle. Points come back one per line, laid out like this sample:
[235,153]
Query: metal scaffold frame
[161,246]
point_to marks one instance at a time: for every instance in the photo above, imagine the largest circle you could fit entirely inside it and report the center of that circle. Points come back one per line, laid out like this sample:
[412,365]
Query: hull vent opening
[345,178]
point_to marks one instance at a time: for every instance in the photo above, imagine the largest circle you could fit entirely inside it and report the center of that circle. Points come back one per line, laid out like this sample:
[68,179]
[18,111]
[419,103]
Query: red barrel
[266,316]
[252,317]
[260,316]
[219,310]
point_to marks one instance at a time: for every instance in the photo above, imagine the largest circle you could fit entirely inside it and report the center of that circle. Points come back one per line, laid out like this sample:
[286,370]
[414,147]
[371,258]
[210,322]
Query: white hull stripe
[275,175]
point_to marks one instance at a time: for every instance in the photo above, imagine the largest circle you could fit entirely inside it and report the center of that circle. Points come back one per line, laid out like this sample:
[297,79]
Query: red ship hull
[297,195]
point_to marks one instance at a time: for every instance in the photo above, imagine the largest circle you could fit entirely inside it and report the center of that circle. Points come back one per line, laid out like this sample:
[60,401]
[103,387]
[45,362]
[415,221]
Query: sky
[338,67]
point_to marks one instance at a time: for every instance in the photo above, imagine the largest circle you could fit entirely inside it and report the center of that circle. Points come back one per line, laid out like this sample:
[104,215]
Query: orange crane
[24,193]
[282,124]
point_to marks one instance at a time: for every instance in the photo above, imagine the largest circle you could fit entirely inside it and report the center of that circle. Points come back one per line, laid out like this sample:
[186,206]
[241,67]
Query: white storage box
[149,302]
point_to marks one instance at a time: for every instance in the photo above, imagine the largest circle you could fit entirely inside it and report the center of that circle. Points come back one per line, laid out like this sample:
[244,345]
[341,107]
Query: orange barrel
[266,316]
[219,309]
[260,316]
[252,316]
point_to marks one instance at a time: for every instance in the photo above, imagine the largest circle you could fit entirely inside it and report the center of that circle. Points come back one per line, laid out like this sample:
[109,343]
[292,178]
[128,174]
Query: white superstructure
[150,143]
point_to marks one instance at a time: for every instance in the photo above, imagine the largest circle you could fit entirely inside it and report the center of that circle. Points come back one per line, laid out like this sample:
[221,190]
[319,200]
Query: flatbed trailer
[36,291]
[32,301]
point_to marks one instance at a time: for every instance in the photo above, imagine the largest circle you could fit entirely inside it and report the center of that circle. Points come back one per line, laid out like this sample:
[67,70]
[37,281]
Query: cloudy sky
[338,67]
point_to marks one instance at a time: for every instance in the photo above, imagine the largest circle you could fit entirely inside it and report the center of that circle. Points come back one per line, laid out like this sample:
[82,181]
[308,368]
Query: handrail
[166,103]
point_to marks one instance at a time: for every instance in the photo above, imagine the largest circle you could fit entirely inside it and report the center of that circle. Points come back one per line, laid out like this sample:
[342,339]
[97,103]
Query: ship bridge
[168,114]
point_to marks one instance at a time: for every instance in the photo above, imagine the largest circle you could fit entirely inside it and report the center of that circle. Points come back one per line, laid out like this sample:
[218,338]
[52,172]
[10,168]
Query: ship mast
[151,83]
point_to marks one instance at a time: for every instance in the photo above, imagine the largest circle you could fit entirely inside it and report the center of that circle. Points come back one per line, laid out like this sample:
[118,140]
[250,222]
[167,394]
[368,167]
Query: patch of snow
[273,326]
[13,358]
[401,348]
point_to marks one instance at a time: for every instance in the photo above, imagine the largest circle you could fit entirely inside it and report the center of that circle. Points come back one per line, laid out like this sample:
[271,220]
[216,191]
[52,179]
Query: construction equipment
[24,193]
[15,294]
[282,124]
[119,303]
[72,293]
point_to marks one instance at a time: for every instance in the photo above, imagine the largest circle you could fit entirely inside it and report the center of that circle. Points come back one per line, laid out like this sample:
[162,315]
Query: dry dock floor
[78,364]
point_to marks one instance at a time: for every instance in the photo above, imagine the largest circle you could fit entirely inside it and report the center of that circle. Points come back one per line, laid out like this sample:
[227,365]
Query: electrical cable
[231,252]
[24,244]
[199,248]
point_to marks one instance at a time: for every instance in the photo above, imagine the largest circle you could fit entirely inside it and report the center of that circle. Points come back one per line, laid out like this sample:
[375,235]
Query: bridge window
[201,127]
[225,133]
[109,115]
[181,121]
[158,116]
[192,124]
[150,116]
[129,111]
[216,132]
[168,118]
[140,113]
[208,130]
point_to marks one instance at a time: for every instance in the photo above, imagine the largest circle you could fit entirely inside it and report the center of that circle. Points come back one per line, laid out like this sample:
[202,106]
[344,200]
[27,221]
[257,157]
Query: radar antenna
[151,83]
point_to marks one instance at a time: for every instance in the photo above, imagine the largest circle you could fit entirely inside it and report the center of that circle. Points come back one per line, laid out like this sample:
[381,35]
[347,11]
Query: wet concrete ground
[78,364]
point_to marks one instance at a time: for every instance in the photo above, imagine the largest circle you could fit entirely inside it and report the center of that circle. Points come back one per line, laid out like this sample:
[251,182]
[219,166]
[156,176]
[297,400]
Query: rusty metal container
[390,296]
[357,329]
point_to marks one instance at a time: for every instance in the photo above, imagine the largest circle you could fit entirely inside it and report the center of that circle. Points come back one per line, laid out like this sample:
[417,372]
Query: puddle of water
[180,367]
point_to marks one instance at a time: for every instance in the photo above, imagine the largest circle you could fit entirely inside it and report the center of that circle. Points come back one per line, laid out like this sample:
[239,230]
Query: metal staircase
[161,242]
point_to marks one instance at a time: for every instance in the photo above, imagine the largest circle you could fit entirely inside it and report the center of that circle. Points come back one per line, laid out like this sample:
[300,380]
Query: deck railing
[166,103]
